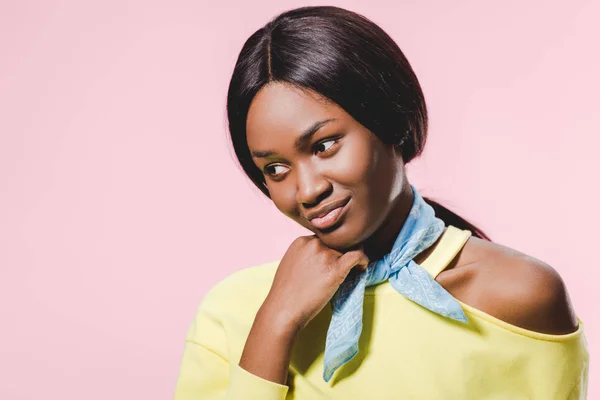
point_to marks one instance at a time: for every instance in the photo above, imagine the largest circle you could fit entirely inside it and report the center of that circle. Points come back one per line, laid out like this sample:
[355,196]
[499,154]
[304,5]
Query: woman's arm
[269,345]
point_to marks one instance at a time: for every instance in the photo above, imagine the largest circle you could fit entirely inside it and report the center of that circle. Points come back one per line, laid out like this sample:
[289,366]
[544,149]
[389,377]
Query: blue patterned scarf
[420,230]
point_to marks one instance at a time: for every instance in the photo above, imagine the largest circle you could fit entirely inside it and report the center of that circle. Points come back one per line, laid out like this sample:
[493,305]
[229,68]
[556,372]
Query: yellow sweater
[405,351]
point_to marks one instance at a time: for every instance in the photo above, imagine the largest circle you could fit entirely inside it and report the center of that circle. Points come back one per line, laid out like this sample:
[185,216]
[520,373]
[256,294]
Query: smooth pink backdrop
[120,202]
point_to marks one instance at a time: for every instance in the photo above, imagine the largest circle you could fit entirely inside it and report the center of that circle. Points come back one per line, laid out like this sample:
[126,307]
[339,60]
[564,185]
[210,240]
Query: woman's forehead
[284,110]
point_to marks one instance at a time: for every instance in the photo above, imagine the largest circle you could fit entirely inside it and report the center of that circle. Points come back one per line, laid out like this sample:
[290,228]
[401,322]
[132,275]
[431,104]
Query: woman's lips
[328,219]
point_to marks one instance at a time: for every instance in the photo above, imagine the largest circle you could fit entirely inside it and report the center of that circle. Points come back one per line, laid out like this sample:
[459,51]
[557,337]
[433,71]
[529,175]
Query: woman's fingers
[354,258]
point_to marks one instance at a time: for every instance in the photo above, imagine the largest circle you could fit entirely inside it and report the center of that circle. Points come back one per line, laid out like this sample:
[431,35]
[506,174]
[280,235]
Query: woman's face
[316,159]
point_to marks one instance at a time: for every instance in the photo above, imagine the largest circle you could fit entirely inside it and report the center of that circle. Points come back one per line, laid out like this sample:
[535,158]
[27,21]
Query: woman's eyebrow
[310,132]
[305,137]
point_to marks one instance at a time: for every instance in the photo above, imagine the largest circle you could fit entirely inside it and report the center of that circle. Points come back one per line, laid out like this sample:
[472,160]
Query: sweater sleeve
[207,372]
[579,391]
[204,375]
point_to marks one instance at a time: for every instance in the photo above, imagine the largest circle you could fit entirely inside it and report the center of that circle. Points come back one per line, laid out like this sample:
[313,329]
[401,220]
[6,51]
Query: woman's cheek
[283,195]
[352,167]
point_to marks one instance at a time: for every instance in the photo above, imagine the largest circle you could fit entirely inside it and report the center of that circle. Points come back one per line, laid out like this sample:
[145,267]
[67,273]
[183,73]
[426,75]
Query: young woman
[393,296]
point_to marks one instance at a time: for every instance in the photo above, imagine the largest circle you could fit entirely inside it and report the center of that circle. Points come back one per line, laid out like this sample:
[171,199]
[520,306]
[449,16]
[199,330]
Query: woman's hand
[308,276]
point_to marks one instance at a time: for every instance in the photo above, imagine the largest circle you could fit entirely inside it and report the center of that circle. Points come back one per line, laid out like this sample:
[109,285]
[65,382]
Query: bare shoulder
[514,287]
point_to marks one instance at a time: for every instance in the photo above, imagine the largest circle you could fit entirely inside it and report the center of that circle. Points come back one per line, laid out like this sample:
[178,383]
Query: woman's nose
[312,186]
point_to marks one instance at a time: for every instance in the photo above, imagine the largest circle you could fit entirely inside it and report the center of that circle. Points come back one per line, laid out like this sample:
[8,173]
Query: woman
[324,113]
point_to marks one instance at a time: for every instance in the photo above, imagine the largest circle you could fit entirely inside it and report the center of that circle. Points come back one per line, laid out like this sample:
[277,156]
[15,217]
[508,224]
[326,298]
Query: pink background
[120,203]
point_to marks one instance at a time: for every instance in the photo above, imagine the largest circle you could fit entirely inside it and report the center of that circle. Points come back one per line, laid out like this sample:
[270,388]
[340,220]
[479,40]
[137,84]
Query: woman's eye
[273,170]
[325,145]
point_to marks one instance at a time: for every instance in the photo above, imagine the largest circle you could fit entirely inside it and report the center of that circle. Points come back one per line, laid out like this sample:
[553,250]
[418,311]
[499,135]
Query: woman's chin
[341,239]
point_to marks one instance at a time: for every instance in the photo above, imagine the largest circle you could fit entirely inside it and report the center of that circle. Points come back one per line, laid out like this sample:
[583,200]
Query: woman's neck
[382,241]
